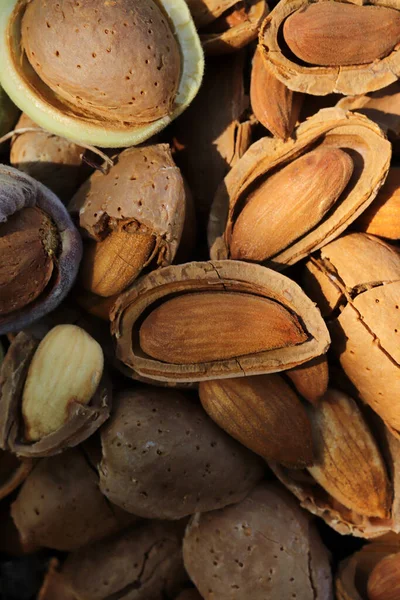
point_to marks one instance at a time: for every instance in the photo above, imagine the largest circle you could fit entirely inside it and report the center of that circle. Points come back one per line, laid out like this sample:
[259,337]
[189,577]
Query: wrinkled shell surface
[365,143]
[263,547]
[163,457]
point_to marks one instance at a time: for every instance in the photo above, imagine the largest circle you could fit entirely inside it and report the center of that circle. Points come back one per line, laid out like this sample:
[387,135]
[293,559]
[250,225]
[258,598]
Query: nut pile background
[199,300]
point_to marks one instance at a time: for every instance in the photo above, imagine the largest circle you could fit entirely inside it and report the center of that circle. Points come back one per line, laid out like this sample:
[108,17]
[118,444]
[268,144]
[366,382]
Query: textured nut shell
[210,137]
[50,112]
[12,472]
[54,585]
[382,217]
[205,11]
[313,498]
[163,457]
[146,186]
[138,564]
[263,547]
[371,154]
[83,420]
[215,276]
[264,414]
[382,106]
[350,80]
[17,191]
[102,74]
[238,36]
[50,159]
[60,505]
[352,576]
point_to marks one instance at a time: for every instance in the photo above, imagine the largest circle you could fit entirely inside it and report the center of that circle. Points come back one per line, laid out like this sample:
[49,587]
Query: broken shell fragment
[120,84]
[13,471]
[286,333]
[52,398]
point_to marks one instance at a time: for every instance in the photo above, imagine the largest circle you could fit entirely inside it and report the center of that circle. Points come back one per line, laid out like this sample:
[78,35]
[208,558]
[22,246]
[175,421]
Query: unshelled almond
[66,368]
[290,203]
[195,328]
[384,581]
[348,463]
[360,35]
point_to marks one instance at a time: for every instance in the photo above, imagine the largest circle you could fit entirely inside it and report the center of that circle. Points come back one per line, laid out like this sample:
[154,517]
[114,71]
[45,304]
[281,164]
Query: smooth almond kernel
[66,368]
[290,203]
[348,463]
[264,414]
[209,326]
[340,34]
[382,217]
[384,581]
[273,104]
[109,266]
[311,379]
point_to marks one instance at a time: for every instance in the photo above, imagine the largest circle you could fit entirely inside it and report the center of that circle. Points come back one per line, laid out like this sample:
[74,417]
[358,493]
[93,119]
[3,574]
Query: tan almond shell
[371,153]
[313,497]
[60,505]
[83,420]
[50,159]
[47,109]
[144,185]
[239,36]
[205,12]
[319,81]
[233,276]
[13,472]
[210,136]
[263,548]
[365,333]
[352,576]
[382,106]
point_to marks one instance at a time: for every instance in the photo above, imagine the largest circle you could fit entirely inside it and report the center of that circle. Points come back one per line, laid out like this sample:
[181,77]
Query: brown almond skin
[340,34]
[125,66]
[28,244]
[348,463]
[195,328]
[384,581]
[290,203]
[382,217]
[264,414]
[164,458]
[311,379]
[273,104]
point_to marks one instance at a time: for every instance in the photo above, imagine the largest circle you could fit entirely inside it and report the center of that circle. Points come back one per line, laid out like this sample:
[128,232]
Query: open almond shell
[83,420]
[232,276]
[322,80]
[343,520]
[352,576]
[52,113]
[331,127]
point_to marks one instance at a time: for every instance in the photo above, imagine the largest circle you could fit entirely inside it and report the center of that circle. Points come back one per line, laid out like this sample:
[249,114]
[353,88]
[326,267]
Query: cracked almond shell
[358,277]
[314,498]
[321,80]
[230,37]
[263,547]
[329,128]
[60,505]
[13,471]
[83,420]
[20,192]
[353,573]
[251,281]
[70,92]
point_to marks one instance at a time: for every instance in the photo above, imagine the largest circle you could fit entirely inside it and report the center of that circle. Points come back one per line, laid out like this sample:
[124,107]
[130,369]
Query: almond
[311,379]
[264,414]
[340,34]
[382,216]
[348,463]
[290,203]
[66,367]
[195,328]
[384,581]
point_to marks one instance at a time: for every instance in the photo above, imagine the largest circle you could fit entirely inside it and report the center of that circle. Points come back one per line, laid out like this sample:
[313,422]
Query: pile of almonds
[199,300]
